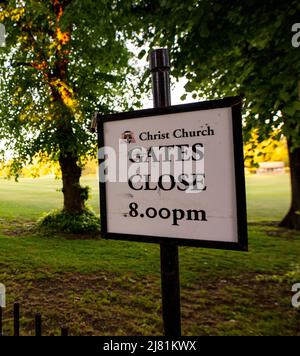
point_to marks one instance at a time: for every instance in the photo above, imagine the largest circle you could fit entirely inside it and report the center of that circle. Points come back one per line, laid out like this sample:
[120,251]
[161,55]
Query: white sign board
[174,173]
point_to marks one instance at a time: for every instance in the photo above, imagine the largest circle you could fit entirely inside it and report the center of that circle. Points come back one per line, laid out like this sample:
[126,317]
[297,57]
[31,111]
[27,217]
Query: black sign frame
[235,103]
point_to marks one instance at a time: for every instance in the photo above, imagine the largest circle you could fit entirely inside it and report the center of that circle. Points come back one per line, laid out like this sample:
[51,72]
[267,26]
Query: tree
[63,61]
[268,150]
[232,47]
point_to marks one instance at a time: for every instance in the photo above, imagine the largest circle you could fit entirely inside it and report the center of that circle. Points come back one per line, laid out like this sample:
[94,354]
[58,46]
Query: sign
[174,174]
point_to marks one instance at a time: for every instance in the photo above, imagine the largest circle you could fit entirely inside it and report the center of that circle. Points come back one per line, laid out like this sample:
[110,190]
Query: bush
[75,223]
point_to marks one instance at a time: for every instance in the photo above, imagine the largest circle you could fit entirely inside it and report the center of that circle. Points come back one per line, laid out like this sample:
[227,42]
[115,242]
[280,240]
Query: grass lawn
[98,287]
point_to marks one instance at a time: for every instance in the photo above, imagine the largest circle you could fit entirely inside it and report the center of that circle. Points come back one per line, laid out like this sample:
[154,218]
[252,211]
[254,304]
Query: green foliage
[272,149]
[231,47]
[85,192]
[63,61]
[74,223]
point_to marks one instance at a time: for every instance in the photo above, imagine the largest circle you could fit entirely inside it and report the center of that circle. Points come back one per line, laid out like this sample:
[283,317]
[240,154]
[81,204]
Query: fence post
[38,325]
[64,331]
[16,319]
[1,321]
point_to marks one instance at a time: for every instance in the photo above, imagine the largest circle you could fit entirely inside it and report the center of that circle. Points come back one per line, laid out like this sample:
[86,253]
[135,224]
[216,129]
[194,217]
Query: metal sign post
[170,287]
[139,205]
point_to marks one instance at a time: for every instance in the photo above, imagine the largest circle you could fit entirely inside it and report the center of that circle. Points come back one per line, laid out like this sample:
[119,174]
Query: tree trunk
[292,219]
[71,172]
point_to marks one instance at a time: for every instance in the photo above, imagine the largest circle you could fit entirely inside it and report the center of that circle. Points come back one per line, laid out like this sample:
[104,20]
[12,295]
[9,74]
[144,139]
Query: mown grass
[100,287]
[267,196]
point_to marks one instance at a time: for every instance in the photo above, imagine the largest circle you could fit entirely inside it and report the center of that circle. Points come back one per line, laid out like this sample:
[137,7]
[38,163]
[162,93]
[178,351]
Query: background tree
[231,47]
[63,60]
[269,150]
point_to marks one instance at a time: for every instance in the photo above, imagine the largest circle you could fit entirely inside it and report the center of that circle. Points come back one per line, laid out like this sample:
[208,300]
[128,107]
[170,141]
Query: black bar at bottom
[170,287]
